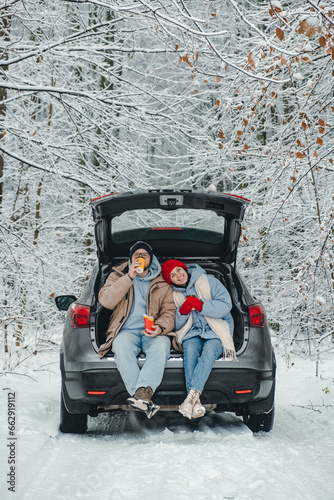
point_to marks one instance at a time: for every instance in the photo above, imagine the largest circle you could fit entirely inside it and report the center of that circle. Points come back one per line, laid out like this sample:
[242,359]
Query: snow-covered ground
[126,457]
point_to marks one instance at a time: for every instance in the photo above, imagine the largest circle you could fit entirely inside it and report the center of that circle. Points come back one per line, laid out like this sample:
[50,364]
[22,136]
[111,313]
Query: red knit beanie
[168,267]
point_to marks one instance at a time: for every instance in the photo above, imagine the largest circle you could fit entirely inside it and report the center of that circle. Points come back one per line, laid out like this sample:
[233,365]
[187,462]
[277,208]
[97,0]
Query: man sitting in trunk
[131,295]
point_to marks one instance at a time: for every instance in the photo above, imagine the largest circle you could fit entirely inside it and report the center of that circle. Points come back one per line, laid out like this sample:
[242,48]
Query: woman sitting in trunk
[204,326]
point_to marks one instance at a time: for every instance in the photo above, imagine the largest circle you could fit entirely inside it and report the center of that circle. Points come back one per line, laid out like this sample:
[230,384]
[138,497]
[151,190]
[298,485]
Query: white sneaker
[142,401]
[152,410]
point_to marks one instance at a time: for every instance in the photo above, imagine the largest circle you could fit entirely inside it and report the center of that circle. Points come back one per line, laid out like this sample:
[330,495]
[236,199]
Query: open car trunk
[223,272]
[194,227]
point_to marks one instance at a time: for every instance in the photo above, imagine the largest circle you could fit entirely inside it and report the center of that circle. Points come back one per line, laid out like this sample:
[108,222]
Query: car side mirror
[63,302]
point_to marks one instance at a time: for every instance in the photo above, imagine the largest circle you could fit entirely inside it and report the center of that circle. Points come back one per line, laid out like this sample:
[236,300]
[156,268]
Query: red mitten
[185,308]
[195,302]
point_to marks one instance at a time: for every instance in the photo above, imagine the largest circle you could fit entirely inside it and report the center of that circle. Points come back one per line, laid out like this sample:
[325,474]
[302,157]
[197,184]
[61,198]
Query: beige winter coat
[117,294]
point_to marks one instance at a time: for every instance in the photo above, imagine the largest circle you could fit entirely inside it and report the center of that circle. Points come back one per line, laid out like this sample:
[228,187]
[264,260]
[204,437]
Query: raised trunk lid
[121,219]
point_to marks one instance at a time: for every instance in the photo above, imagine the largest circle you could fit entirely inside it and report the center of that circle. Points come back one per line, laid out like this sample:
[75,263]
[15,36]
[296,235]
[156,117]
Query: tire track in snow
[127,457]
[39,471]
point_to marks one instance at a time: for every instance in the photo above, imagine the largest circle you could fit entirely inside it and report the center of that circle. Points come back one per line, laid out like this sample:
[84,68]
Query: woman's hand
[190,303]
[195,303]
[186,307]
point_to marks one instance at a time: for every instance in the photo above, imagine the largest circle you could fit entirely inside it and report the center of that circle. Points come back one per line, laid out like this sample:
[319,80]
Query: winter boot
[188,404]
[141,400]
[198,409]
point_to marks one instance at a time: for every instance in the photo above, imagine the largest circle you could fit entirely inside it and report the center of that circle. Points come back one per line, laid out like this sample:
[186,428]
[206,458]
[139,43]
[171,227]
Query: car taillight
[96,393]
[257,315]
[80,315]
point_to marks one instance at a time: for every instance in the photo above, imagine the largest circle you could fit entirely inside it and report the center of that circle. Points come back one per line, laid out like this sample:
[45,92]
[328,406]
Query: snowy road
[127,457]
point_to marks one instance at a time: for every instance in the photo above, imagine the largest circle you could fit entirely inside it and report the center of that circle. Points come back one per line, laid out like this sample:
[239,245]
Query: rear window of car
[156,218]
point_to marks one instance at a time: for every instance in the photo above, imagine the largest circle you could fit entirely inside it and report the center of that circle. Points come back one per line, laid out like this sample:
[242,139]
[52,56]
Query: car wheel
[257,422]
[72,423]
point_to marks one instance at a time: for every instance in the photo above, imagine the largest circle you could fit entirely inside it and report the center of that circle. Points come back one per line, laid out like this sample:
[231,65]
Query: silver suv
[192,226]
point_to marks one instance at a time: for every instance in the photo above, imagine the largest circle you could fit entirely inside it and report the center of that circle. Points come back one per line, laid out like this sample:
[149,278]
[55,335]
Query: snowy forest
[110,96]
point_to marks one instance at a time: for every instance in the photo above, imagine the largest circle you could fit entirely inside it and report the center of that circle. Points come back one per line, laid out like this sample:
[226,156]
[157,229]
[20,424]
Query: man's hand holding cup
[137,267]
[151,330]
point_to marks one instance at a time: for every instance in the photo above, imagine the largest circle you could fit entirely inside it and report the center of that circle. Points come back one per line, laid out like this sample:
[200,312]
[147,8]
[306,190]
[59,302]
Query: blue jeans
[199,356]
[126,347]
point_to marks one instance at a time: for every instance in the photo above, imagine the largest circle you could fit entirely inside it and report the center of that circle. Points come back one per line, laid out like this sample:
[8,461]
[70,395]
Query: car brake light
[237,196]
[80,315]
[96,393]
[103,196]
[166,228]
[257,315]
[244,391]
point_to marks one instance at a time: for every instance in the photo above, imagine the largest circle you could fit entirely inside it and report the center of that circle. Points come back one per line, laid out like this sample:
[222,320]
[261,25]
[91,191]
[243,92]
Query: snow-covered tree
[98,96]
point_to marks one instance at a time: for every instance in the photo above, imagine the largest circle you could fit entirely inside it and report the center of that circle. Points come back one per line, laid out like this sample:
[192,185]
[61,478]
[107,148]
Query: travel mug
[141,266]
[149,322]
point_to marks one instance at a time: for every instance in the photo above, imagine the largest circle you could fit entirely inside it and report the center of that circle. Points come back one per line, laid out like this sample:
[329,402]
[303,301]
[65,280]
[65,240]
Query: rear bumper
[229,386]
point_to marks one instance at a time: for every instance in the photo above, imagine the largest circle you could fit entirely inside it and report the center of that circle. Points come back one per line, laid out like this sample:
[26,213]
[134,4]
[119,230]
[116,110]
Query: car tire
[258,422]
[71,423]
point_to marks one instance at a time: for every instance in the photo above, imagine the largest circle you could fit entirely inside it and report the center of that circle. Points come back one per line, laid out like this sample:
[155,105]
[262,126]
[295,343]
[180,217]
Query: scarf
[217,325]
